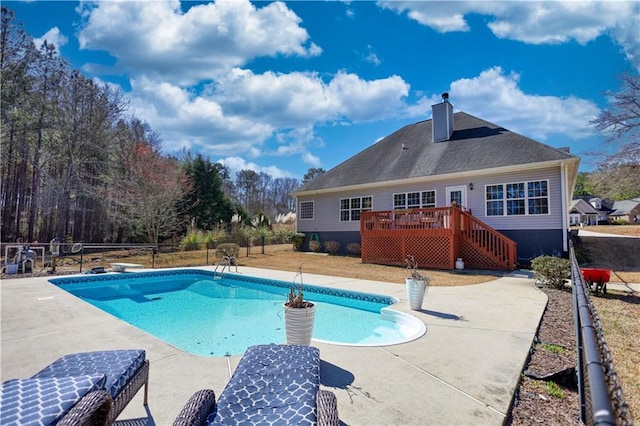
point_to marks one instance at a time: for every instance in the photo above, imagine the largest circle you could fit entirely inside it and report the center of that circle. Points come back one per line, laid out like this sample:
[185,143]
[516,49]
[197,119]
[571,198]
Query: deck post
[456,227]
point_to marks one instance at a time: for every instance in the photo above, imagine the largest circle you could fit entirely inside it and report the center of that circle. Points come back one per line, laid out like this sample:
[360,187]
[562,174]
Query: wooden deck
[436,237]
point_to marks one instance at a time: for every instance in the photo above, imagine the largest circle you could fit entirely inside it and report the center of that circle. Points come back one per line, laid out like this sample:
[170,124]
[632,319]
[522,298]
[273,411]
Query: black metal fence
[80,257]
[601,398]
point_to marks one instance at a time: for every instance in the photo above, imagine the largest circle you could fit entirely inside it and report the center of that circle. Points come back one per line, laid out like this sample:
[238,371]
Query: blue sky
[281,87]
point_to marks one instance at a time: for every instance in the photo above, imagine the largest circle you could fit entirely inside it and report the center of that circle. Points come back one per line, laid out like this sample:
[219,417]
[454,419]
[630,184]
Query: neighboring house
[626,210]
[601,207]
[515,185]
[582,213]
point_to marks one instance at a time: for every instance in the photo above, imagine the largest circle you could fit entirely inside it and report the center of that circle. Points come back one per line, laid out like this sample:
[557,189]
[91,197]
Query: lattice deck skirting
[436,237]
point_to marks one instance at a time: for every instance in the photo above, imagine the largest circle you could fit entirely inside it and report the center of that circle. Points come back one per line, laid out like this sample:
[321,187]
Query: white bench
[122,267]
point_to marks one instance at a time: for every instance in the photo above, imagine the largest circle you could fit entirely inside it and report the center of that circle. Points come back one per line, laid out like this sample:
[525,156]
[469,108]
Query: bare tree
[618,174]
[281,190]
[152,191]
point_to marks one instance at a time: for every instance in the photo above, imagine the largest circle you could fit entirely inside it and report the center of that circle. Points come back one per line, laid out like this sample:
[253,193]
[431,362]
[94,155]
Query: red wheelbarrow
[596,279]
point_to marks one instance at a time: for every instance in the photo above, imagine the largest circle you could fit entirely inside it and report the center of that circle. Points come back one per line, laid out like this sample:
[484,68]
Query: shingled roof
[410,153]
[625,207]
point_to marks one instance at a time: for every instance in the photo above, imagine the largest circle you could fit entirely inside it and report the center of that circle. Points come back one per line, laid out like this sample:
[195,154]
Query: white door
[457,194]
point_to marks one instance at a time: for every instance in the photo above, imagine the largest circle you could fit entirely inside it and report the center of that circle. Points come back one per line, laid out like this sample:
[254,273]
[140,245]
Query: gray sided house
[515,185]
[582,213]
[626,210]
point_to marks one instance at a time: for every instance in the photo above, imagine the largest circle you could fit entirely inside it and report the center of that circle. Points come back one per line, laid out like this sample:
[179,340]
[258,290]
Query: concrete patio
[464,370]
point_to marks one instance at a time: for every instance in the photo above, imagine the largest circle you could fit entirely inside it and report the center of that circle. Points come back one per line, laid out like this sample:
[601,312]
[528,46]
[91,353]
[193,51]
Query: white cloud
[243,110]
[311,160]
[372,57]
[496,97]
[186,120]
[541,22]
[298,99]
[362,100]
[53,36]
[158,38]
[236,164]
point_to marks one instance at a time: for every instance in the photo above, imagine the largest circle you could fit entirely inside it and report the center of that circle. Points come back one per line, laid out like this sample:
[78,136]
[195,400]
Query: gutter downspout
[565,213]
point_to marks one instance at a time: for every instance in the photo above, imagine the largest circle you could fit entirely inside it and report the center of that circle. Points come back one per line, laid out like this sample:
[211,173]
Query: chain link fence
[601,397]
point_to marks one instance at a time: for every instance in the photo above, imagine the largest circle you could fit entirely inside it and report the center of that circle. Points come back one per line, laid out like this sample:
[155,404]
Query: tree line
[77,166]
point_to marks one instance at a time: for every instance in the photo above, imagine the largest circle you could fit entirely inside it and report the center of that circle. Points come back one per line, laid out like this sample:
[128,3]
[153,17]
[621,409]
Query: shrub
[239,237]
[315,246]
[551,270]
[261,232]
[619,222]
[331,247]
[297,240]
[354,249]
[191,241]
[214,236]
[228,250]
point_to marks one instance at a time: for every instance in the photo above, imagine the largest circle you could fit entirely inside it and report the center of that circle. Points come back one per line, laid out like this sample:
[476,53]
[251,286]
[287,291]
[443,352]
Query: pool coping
[464,370]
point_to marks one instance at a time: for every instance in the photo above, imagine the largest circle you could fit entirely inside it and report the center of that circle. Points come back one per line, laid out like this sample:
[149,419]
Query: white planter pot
[298,323]
[415,293]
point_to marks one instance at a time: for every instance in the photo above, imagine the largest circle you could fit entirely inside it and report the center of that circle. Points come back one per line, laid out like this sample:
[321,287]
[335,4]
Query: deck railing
[599,391]
[483,245]
[436,237]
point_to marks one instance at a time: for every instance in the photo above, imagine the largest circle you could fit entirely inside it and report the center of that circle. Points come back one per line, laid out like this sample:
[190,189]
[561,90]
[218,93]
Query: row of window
[509,199]
[414,200]
[521,198]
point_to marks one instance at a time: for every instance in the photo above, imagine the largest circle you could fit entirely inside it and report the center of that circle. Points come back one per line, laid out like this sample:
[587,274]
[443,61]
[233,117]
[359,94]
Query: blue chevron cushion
[273,384]
[119,366]
[43,401]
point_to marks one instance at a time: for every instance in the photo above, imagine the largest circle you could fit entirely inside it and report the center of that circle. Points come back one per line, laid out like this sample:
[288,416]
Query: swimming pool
[201,313]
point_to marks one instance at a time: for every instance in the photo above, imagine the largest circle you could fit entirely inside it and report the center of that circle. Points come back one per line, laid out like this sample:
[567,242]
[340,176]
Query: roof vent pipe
[442,120]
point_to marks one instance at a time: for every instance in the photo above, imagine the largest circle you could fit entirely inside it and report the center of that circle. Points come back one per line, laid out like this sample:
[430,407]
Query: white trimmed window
[517,199]
[350,208]
[306,210]
[414,200]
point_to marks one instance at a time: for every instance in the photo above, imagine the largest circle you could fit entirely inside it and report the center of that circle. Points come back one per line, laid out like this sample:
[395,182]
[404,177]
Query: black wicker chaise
[60,389]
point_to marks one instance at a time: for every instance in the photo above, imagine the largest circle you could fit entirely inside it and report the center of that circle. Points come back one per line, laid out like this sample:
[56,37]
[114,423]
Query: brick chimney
[442,119]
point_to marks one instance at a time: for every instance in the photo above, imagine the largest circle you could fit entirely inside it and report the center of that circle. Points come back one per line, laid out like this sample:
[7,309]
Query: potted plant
[417,284]
[299,314]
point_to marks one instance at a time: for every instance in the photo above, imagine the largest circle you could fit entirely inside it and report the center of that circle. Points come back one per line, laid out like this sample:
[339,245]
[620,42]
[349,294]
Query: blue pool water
[206,315]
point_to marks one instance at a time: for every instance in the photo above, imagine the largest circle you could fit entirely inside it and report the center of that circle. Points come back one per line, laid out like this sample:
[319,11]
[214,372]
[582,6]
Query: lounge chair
[274,384]
[125,371]
[62,401]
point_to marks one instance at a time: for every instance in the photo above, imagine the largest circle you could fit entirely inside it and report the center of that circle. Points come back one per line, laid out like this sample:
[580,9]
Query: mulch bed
[541,399]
